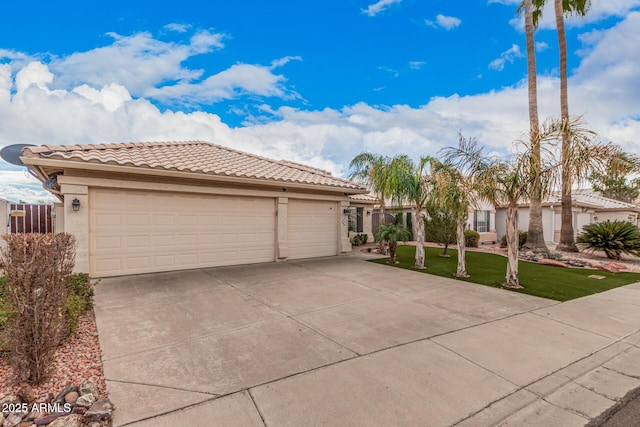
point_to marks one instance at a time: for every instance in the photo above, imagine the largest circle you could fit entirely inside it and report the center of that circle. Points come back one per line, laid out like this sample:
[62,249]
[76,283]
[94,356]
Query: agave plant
[614,238]
[392,234]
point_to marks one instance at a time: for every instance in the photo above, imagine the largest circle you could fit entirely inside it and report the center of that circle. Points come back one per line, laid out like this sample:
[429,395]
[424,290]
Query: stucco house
[587,205]
[481,218]
[161,206]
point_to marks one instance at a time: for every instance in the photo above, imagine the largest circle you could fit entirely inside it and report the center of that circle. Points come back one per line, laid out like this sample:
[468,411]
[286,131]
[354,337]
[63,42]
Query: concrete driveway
[340,341]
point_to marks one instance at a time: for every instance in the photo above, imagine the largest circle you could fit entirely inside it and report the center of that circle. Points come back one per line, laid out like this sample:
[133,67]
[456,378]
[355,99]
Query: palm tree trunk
[512,248]
[535,237]
[419,235]
[567,242]
[462,264]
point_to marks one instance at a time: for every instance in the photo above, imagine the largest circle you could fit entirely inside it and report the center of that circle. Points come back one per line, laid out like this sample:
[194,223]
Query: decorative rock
[71,397]
[545,261]
[26,424]
[43,421]
[86,400]
[26,394]
[59,399]
[607,267]
[73,420]
[99,411]
[13,419]
[88,387]
[9,399]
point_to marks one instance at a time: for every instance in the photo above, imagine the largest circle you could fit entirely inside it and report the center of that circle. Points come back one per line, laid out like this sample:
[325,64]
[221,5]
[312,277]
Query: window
[482,221]
[355,220]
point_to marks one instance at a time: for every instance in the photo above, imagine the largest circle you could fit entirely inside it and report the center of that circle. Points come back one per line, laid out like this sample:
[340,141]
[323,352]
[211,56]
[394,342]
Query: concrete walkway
[340,341]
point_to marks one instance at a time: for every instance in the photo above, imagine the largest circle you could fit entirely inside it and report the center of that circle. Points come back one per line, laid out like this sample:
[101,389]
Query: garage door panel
[140,232]
[312,228]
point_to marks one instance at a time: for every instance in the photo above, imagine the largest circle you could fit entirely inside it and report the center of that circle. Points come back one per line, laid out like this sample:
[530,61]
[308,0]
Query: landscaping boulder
[546,261]
[73,420]
[100,410]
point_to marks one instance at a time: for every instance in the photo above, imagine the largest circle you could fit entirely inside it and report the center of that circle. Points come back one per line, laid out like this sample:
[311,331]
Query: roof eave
[34,163]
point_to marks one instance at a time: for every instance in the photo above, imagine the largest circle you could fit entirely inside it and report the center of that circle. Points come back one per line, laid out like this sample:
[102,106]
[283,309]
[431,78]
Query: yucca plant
[614,238]
[392,234]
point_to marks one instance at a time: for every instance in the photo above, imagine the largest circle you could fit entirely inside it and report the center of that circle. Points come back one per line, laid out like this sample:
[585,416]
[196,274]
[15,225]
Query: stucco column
[58,220]
[344,245]
[4,217]
[282,246]
[77,223]
[492,220]
[367,223]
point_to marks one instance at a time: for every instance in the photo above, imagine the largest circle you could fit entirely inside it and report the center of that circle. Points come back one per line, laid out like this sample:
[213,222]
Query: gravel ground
[77,359]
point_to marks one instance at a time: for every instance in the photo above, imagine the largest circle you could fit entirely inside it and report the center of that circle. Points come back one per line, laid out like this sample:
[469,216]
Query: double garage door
[133,232]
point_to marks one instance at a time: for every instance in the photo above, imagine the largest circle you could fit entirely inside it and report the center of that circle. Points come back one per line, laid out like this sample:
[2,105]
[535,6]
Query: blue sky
[313,82]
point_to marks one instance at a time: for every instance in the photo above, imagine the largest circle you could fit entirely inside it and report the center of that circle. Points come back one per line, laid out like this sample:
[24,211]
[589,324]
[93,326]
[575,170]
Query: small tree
[440,226]
[392,234]
[38,270]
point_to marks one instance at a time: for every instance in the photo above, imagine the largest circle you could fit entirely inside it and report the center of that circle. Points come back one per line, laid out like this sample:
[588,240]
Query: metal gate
[25,218]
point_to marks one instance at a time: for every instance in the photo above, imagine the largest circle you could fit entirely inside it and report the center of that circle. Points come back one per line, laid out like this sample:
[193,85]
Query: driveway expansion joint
[215,395]
[255,404]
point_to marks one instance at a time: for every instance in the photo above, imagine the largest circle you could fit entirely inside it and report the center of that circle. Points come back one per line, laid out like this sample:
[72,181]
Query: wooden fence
[30,218]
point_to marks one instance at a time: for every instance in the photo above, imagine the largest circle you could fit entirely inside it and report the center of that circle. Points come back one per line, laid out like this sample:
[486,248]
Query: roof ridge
[85,147]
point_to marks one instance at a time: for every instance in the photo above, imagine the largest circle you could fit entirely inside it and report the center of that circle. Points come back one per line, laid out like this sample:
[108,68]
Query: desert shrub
[613,238]
[359,239]
[471,238]
[38,270]
[5,307]
[522,239]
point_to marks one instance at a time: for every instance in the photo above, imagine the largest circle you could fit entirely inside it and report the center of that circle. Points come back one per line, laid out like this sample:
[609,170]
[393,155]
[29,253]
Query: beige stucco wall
[613,216]
[77,223]
[58,218]
[4,216]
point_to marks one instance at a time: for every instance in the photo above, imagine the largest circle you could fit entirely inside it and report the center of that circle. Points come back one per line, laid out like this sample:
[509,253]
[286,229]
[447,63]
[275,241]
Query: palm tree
[562,7]
[503,183]
[392,234]
[535,236]
[455,190]
[413,186]
[374,171]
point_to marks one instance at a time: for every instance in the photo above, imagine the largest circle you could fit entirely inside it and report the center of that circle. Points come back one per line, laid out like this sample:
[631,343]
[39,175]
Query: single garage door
[140,231]
[313,229]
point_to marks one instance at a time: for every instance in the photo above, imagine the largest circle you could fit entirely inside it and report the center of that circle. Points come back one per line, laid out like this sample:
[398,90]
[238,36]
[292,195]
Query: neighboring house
[588,207]
[150,207]
[482,220]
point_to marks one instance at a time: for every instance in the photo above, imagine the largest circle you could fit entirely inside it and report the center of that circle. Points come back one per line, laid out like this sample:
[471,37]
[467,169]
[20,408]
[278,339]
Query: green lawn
[560,284]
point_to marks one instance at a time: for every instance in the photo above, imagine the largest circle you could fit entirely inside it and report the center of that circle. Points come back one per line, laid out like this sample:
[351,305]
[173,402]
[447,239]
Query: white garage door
[139,231]
[313,229]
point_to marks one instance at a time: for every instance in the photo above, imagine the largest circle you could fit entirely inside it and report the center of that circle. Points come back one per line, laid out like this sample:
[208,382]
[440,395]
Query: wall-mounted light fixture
[368,212]
[345,211]
[75,205]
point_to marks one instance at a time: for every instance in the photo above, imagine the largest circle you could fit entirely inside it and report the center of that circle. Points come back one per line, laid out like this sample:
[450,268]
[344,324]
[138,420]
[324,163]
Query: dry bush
[38,269]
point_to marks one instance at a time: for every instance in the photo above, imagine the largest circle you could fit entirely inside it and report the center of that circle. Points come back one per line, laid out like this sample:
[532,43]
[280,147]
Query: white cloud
[508,55]
[600,10]
[605,86]
[446,22]
[417,65]
[178,28]
[541,46]
[374,9]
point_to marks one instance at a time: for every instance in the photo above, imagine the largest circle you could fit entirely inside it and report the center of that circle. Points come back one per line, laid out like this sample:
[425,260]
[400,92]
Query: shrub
[614,238]
[522,239]
[471,238]
[38,270]
[80,298]
[359,239]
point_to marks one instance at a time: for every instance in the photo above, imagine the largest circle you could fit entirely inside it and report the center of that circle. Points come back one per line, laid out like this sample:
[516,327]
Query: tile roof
[193,156]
